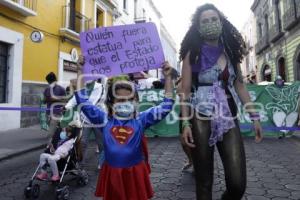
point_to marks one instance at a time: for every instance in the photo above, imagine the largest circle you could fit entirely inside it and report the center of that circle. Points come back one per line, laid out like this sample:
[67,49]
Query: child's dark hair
[157,85]
[68,90]
[56,137]
[113,87]
[74,131]
[51,77]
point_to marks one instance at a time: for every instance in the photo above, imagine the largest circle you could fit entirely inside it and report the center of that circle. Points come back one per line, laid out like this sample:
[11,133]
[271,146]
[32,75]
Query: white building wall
[169,47]
[145,12]
[152,14]
[127,16]
[11,119]
[249,34]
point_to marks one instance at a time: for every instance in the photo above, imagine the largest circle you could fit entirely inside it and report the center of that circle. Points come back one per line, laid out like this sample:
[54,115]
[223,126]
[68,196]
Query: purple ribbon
[28,109]
[270,128]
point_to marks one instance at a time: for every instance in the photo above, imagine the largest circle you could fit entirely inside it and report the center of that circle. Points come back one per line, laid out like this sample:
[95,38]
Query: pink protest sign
[121,49]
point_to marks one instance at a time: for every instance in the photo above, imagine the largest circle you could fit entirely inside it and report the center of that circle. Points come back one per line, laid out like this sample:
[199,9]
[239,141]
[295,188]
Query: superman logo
[122,133]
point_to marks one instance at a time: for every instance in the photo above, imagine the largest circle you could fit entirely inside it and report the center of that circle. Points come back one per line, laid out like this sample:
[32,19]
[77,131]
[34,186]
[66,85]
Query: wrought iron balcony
[24,7]
[289,18]
[73,23]
[275,33]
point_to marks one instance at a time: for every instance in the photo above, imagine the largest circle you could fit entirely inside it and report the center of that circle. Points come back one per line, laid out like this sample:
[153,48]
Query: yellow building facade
[38,37]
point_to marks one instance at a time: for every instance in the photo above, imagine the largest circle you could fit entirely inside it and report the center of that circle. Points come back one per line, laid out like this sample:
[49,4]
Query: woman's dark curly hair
[232,40]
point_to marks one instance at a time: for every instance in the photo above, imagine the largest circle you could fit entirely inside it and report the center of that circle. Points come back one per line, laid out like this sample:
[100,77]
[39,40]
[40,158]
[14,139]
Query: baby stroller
[66,166]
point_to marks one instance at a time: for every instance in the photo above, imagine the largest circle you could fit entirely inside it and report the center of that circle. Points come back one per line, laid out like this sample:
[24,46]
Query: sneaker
[42,176]
[55,178]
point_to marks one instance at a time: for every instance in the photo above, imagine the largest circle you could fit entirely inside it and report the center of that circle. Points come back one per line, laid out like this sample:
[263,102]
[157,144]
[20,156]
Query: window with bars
[3,71]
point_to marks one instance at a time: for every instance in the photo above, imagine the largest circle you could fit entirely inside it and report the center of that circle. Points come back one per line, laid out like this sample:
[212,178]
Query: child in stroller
[62,155]
[62,142]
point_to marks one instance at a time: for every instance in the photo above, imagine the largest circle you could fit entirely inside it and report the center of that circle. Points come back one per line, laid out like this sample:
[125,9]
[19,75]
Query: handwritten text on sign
[122,49]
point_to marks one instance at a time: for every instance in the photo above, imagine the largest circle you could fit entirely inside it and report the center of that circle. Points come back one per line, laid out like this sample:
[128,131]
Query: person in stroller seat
[62,142]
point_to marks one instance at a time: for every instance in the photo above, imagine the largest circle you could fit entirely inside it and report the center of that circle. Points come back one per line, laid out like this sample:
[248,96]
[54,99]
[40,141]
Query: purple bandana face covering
[209,57]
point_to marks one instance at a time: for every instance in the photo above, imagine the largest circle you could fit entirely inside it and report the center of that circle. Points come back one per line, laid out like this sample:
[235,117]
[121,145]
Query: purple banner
[124,49]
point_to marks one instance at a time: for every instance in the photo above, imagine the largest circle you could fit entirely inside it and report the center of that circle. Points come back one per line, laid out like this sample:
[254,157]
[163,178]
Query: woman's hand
[73,83]
[80,81]
[187,137]
[81,60]
[80,63]
[167,69]
[258,131]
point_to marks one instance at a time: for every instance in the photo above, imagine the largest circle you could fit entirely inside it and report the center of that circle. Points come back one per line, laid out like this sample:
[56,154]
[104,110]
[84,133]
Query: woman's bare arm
[186,92]
[186,84]
[244,96]
[241,90]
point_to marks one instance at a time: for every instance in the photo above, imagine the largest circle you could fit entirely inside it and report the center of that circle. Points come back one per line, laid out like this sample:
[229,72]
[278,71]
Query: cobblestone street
[272,166]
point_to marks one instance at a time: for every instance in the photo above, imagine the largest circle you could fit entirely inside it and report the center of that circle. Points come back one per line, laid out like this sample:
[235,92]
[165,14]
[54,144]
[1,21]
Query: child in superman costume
[124,174]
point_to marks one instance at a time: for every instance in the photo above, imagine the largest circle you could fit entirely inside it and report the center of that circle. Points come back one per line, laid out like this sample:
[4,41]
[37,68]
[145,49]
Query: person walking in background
[54,97]
[157,85]
[279,82]
[211,51]
[96,93]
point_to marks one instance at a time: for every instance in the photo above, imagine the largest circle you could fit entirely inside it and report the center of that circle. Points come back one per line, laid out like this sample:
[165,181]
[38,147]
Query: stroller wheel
[35,191]
[82,181]
[63,193]
[83,178]
[27,192]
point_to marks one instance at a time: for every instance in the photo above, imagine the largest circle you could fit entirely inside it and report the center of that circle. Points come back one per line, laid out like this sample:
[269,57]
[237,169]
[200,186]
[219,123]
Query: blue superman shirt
[122,138]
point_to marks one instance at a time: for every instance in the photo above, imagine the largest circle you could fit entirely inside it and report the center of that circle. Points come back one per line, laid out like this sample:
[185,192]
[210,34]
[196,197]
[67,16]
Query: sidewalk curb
[21,152]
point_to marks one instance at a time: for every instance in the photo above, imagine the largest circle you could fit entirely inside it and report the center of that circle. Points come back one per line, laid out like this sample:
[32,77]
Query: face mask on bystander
[63,135]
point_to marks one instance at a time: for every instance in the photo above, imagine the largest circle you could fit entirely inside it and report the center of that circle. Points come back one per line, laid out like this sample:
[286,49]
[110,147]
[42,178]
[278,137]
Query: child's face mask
[124,109]
[63,135]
